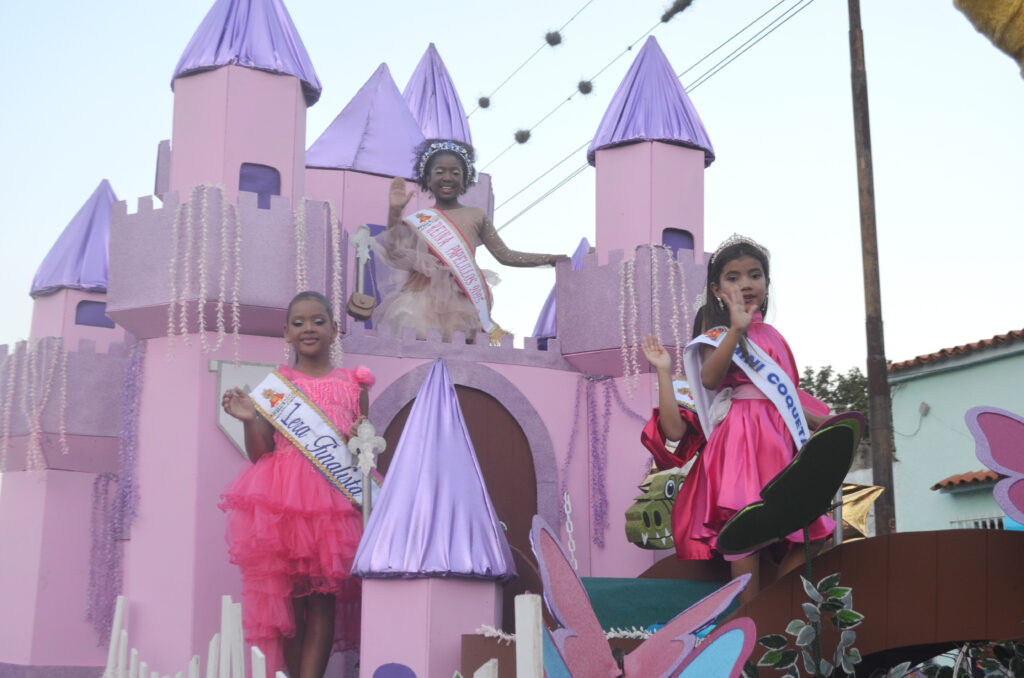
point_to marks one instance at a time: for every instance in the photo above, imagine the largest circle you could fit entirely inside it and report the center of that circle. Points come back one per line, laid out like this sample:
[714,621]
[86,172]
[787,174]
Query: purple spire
[547,326]
[431,96]
[78,260]
[375,133]
[433,517]
[256,34]
[651,105]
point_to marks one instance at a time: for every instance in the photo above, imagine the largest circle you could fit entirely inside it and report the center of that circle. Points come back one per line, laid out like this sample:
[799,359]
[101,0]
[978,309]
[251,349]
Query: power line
[574,93]
[530,58]
[707,75]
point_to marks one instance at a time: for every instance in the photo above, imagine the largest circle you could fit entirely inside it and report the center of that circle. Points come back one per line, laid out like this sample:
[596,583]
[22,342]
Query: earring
[287,354]
[721,304]
[764,304]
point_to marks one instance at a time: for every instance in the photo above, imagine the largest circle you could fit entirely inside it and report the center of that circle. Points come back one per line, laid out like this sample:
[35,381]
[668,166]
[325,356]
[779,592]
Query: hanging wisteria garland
[104,559]
[111,520]
[183,225]
[598,447]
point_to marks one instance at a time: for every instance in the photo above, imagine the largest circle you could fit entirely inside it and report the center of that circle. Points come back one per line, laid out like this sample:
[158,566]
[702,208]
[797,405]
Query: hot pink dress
[291,533]
[744,452]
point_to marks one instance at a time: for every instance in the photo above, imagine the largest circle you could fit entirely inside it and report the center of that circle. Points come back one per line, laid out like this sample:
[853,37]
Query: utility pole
[879,403]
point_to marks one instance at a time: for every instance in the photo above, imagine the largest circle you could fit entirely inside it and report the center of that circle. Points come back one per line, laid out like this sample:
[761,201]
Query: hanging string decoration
[10,372]
[629,324]
[230,264]
[337,270]
[299,221]
[36,387]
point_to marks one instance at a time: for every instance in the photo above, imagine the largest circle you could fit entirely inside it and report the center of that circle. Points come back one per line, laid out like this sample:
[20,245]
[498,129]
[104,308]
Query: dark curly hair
[312,296]
[421,167]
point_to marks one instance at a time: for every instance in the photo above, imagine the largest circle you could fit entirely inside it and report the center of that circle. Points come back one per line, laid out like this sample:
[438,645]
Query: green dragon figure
[649,519]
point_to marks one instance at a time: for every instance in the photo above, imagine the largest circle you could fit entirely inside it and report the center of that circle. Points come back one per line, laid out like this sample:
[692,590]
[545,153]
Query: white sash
[298,419]
[447,243]
[762,371]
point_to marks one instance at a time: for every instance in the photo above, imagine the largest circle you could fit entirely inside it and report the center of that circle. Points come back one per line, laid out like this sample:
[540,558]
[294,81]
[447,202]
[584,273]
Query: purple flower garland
[598,448]
[112,517]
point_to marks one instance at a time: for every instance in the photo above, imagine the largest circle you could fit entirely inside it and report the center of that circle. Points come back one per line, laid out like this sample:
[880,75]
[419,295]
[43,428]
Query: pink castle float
[114,450]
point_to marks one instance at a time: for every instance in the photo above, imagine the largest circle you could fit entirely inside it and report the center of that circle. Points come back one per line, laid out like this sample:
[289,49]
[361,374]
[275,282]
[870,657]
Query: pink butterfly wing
[581,641]
[666,650]
[999,437]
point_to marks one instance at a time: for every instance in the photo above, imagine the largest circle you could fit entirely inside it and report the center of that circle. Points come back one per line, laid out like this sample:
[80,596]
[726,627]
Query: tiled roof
[971,478]
[966,349]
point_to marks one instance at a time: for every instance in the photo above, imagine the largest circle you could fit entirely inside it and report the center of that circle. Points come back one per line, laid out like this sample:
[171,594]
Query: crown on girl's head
[451,147]
[736,239]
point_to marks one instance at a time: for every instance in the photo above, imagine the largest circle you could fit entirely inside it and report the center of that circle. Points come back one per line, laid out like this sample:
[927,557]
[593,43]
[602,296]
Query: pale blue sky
[88,97]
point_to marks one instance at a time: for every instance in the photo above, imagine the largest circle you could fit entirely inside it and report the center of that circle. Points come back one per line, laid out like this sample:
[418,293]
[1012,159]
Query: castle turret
[241,89]
[434,550]
[650,151]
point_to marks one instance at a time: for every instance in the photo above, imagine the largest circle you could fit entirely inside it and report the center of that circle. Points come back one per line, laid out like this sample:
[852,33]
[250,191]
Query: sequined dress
[290,532]
[422,292]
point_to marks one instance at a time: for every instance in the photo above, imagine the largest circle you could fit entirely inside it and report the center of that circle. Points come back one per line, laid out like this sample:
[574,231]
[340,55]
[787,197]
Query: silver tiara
[736,239]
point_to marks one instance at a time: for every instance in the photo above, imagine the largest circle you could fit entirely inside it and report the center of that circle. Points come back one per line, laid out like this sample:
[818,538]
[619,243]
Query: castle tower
[71,284]
[62,397]
[650,151]
[241,89]
[433,554]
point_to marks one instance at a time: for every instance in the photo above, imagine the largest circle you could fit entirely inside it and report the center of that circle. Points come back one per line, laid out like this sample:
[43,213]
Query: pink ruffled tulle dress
[291,533]
[746,450]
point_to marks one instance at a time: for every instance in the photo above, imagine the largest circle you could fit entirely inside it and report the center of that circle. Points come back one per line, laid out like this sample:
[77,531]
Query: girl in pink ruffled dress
[752,443]
[293,534]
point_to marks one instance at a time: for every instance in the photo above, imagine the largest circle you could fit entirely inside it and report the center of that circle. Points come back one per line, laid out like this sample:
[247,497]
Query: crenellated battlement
[604,306]
[60,407]
[207,252]
[382,342]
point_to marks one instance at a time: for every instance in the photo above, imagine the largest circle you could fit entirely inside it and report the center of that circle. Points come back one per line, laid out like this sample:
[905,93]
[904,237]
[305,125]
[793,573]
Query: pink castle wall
[54,316]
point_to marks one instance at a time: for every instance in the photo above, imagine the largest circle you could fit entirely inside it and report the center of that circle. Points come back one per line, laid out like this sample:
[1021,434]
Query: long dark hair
[713,313]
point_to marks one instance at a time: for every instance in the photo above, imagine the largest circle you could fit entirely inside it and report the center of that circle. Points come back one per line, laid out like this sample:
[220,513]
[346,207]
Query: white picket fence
[225,657]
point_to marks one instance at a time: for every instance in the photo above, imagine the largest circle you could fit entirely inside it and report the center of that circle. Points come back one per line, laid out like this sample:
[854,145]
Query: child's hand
[353,430]
[656,354]
[236,403]
[739,317]
[397,197]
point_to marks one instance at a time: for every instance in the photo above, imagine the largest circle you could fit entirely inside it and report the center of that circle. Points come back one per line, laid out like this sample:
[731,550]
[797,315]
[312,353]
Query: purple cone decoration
[257,34]
[433,517]
[651,105]
[375,133]
[78,260]
[431,96]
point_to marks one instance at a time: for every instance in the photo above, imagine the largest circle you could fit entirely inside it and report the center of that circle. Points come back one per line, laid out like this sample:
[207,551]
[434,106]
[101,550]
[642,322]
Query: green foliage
[842,392]
[1003,660]
[828,600]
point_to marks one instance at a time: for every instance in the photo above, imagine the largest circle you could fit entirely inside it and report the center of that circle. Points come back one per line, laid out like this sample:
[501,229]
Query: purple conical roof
[256,34]
[651,105]
[375,132]
[78,260]
[431,96]
[433,517]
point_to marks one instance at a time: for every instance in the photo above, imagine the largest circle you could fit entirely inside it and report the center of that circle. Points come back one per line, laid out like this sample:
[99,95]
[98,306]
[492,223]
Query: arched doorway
[505,459]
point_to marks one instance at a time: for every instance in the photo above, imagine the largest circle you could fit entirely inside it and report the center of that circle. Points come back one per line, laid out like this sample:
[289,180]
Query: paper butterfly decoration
[583,649]
[799,493]
[999,436]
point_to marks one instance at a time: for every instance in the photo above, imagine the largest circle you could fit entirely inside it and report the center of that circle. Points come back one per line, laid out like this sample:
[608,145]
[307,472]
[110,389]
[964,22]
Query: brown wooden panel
[478,650]
[864,565]
[1004,593]
[912,605]
[961,610]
